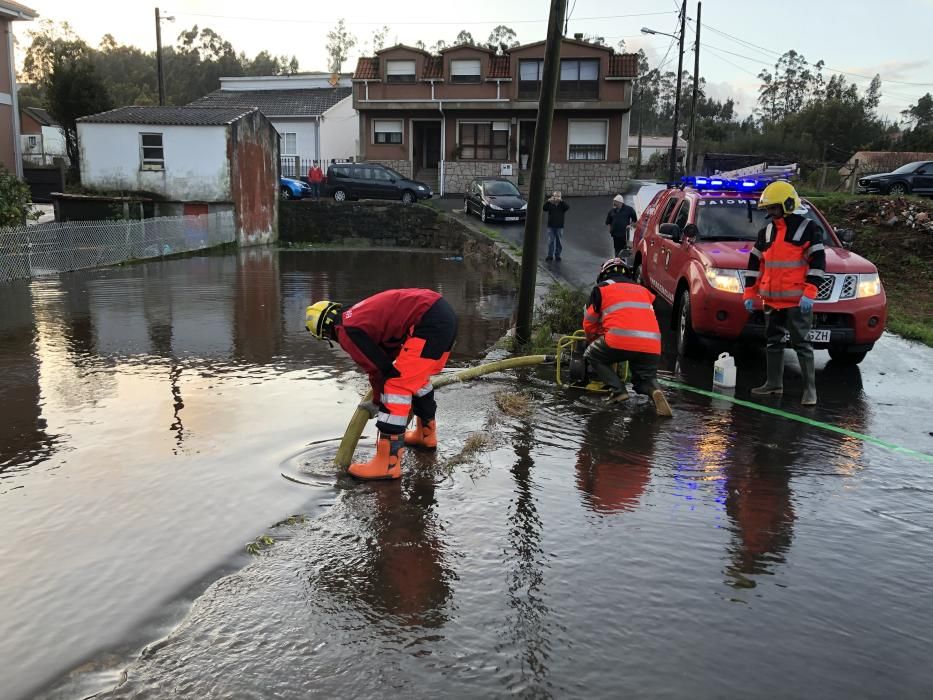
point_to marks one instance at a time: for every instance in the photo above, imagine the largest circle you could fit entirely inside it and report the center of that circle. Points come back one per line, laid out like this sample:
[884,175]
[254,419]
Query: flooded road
[570,551]
[144,415]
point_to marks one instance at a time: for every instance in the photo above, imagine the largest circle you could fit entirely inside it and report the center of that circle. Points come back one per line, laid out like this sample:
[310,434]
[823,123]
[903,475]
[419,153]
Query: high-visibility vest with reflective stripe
[627,317]
[785,263]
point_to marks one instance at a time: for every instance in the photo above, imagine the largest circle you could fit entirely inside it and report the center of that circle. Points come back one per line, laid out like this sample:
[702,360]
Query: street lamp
[158,21]
[680,69]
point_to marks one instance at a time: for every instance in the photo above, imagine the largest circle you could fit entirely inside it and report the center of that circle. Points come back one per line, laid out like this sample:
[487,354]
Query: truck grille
[849,287]
[825,290]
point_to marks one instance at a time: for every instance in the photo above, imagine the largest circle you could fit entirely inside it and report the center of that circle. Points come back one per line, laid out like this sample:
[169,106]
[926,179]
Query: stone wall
[585,179]
[403,166]
[385,224]
[459,173]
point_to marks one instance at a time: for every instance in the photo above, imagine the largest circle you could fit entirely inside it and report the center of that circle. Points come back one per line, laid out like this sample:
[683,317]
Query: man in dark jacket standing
[618,220]
[555,208]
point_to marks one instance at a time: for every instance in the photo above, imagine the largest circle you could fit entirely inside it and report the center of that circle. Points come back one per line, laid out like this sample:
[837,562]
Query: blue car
[290,188]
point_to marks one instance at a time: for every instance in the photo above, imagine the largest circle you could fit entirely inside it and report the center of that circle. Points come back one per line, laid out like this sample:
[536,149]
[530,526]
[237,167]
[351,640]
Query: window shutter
[400,68]
[465,67]
[500,126]
[587,133]
[387,126]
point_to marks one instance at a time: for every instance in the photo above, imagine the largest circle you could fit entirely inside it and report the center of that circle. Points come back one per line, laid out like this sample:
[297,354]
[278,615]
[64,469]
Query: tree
[920,115]
[74,90]
[378,40]
[498,37]
[339,43]
[15,200]
[464,37]
[438,46]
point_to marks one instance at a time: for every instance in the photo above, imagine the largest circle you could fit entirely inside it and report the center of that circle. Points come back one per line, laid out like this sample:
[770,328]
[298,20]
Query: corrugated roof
[308,102]
[170,116]
[433,68]
[367,69]
[499,67]
[623,65]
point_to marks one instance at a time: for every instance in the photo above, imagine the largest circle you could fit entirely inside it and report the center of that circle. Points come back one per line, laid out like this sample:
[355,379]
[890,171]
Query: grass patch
[513,403]
[260,543]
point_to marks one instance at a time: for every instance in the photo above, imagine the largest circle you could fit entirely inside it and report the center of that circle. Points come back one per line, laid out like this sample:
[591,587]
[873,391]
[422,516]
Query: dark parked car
[373,181]
[494,198]
[913,178]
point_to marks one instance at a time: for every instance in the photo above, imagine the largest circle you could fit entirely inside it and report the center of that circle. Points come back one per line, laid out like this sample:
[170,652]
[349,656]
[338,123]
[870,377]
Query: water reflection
[614,462]
[527,630]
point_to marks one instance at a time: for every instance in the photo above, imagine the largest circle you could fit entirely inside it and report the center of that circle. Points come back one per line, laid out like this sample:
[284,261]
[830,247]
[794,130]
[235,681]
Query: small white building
[42,139]
[655,144]
[313,113]
[193,160]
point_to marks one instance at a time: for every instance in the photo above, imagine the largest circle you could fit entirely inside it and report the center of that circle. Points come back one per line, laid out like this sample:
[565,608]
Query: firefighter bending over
[400,338]
[620,325]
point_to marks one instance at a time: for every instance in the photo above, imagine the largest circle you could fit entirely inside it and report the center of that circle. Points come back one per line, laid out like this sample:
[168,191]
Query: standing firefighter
[621,325]
[785,268]
[400,337]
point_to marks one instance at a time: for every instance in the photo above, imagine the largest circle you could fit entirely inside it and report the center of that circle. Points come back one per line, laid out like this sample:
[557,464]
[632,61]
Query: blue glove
[749,305]
[806,304]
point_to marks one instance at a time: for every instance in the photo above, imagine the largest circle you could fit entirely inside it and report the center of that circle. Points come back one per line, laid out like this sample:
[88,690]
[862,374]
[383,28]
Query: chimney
[578,36]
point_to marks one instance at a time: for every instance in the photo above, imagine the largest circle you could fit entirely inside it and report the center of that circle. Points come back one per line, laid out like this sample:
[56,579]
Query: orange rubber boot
[385,464]
[424,435]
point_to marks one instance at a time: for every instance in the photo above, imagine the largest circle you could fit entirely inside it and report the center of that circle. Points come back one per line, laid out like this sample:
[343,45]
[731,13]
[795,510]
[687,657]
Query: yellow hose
[358,421]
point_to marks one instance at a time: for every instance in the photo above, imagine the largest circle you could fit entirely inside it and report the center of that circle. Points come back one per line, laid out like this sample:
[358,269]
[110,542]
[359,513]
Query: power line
[394,22]
[716,54]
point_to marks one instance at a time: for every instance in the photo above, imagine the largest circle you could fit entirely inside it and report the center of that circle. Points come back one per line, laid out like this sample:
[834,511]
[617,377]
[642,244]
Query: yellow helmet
[321,316]
[782,194]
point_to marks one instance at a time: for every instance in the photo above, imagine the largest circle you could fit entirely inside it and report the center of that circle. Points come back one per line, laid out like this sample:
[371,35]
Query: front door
[432,146]
[526,143]
[923,179]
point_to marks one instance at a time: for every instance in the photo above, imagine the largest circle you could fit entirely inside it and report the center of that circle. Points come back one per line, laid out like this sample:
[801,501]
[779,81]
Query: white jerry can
[724,371]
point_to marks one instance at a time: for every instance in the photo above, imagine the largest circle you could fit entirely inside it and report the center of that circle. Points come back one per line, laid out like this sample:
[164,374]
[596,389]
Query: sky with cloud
[856,37]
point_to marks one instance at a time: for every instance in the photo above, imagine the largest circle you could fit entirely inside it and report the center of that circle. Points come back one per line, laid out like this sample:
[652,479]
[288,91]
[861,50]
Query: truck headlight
[869,285]
[725,280]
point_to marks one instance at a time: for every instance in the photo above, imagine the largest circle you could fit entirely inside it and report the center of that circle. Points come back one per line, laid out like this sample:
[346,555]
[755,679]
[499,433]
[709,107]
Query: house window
[400,71]
[465,71]
[289,143]
[579,79]
[387,131]
[33,141]
[151,154]
[529,79]
[484,140]
[586,140]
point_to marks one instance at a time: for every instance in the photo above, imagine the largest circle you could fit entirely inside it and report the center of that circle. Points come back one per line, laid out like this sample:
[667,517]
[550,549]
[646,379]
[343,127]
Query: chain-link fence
[45,249]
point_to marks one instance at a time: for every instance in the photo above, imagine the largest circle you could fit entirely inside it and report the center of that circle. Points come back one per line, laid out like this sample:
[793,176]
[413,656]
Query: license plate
[511,218]
[818,336]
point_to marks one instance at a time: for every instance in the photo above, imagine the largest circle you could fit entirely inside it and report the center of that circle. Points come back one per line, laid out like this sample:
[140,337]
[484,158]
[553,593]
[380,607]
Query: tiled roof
[41,116]
[402,46]
[308,102]
[433,68]
[367,69]
[499,67]
[623,65]
[169,116]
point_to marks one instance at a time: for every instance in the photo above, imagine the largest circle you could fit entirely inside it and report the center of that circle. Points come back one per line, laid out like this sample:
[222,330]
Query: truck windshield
[737,220]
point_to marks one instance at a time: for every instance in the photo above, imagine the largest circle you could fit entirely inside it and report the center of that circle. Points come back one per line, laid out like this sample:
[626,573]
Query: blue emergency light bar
[745,184]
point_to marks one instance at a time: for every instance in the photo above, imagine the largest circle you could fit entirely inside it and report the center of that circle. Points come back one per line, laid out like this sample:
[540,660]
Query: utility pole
[158,21]
[691,148]
[680,70]
[539,163]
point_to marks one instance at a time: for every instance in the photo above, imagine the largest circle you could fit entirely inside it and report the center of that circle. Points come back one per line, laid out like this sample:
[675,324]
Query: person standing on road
[400,338]
[555,207]
[619,218]
[620,326]
[785,269]
[315,178]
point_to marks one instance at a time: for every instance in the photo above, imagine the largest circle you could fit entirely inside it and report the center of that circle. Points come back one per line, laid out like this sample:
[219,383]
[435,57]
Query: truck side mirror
[847,236]
[671,231]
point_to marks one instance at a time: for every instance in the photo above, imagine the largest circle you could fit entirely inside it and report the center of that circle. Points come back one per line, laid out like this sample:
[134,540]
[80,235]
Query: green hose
[358,421]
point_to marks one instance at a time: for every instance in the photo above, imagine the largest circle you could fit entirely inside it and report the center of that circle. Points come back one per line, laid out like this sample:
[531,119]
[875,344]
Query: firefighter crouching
[400,338]
[785,269]
[620,325]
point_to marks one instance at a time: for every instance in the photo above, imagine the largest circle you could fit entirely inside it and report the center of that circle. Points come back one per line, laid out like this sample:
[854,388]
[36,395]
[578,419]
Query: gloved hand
[749,305]
[370,407]
[806,304]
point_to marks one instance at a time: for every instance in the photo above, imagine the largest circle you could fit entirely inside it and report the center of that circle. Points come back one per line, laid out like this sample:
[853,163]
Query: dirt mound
[903,213]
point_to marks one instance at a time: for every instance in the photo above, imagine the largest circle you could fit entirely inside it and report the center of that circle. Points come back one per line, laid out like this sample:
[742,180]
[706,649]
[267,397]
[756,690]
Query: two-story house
[10,152]
[470,112]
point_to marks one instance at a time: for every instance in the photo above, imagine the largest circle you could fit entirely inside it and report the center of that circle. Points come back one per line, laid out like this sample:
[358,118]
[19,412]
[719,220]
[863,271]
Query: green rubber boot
[774,386]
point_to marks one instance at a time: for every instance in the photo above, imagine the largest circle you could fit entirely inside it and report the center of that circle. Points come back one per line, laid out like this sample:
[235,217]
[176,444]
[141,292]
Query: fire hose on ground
[361,416]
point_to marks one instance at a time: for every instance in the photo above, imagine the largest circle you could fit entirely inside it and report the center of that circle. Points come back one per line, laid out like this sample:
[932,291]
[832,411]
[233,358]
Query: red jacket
[623,312]
[373,330]
[315,175]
